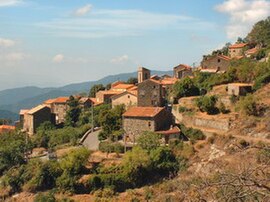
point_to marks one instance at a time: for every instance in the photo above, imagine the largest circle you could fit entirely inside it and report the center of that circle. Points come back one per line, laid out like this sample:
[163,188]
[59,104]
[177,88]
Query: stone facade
[239,89]
[150,94]
[137,124]
[35,117]
[218,63]
[237,50]
[182,71]
[143,74]
[126,98]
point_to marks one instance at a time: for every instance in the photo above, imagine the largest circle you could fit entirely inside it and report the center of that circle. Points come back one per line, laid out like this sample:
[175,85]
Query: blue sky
[57,42]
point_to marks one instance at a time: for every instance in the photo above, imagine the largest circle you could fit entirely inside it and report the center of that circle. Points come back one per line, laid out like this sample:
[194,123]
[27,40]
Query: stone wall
[60,111]
[127,99]
[150,94]
[216,63]
[218,124]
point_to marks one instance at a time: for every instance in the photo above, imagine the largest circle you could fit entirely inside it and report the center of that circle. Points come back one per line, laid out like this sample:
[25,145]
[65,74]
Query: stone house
[128,98]
[140,119]
[237,50]
[171,134]
[150,94]
[251,52]
[35,117]
[143,74]
[239,89]
[59,107]
[21,118]
[182,71]
[215,64]
[85,102]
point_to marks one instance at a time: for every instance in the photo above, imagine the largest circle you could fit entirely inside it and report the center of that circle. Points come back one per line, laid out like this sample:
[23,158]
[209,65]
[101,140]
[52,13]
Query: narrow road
[90,140]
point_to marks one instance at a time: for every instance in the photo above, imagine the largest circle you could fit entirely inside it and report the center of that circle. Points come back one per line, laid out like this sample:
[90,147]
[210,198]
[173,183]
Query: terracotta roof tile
[174,130]
[61,100]
[50,101]
[143,111]
[122,86]
[184,66]
[238,45]
[224,57]
[169,81]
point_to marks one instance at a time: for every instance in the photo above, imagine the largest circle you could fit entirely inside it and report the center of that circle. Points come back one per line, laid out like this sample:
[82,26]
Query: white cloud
[83,10]
[243,15]
[12,58]
[120,60]
[9,2]
[6,42]
[118,23]
[58,58]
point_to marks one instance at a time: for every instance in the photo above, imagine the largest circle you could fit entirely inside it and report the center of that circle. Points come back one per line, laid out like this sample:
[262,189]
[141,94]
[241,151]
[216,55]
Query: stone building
[127,98]
[59,107]
[237,50]
[143,74]
[171,134]
[182,71]
[215,64]
[35,117]
[150,94]
[140,119]
[22,113]
[85,102]
[239,89]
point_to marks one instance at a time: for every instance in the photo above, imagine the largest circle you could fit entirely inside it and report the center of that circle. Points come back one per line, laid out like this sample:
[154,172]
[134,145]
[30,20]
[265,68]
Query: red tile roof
[169,81]
[143,111]
[252,51]
[6,128]
[183,65]
[238,45]
[61,100]
[174,130]
[50,101]
[122,86]
[224,57]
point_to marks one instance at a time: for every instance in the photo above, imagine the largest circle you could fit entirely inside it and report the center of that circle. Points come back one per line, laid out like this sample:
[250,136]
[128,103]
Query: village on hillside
[150,138]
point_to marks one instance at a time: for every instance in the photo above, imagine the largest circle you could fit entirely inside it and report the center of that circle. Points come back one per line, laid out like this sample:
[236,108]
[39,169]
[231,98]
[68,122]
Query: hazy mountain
[4,114]
[12,100]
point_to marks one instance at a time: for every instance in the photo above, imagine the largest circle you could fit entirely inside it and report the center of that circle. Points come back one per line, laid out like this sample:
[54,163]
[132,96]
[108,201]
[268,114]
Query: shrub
[207,104]
[247,105]
[222,108]
[149,141]
[111,147]
[45,197]
[184,88]
[243,143]
[192,134]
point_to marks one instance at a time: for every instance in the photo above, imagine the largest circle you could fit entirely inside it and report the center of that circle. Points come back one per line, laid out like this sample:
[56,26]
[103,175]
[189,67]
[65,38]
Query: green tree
[95,88]
[149,141]
[132,80]
[207,104]
[185,88]
[73,113]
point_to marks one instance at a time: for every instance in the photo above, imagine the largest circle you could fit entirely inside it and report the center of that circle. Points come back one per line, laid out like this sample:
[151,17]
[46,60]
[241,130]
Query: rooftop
[24,111]
[123,86]
[174,130]
[143,111]
[184,66]
[7,127]
[61,100]
[36,109]
[238,45]
[169,81]
[50,101]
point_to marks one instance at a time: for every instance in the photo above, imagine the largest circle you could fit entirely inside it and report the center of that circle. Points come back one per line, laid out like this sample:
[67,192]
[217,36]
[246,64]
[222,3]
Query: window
[154,87]
[218,60]
[149,124]
[128,96]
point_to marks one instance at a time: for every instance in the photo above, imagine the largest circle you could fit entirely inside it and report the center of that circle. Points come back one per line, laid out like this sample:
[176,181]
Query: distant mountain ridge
[12,100]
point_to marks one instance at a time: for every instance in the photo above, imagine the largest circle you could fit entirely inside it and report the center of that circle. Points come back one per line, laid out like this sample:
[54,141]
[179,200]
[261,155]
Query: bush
[45,197]
[184,88]
[247,105]
[192,134]
[222,108]
[149,141]
[207,104]
[111,147]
